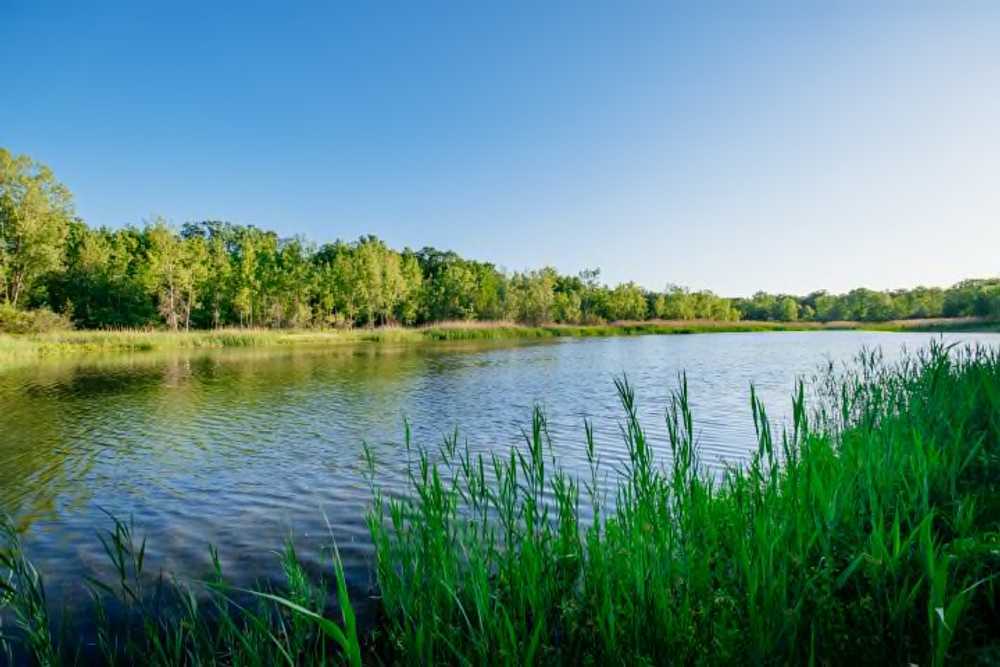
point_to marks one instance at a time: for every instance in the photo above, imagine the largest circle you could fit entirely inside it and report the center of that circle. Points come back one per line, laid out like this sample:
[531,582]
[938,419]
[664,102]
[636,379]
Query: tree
[489,291]
[566,307]
[408,307]
[336,278]
[593,296]
[195,255]
[829,308]
[380,281]
[217,279]
[169,277]
[35,212]
[674,304]
[787,310]
[101,284]
[450,295]
[295,284]
[531,296]
[626,302]
[253,253]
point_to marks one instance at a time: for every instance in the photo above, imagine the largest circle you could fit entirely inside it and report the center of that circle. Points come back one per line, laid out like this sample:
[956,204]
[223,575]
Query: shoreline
[36,347]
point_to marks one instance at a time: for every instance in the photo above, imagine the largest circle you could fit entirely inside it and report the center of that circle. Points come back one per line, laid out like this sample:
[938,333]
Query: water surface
[243,448]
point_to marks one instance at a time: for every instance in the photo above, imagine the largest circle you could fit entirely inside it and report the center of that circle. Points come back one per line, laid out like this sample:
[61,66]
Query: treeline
[969,298]
[214,273]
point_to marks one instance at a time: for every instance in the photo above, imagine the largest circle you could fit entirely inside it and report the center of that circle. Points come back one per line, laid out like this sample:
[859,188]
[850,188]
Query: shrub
[16,321]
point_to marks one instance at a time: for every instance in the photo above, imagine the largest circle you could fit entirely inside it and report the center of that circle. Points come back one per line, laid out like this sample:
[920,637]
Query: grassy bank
[30,347]
[868,532]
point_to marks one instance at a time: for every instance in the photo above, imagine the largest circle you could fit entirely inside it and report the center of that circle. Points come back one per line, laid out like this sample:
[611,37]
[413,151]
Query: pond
[243,448]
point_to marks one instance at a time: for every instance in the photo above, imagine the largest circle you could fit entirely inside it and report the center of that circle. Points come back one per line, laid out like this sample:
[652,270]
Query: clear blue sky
[781,148]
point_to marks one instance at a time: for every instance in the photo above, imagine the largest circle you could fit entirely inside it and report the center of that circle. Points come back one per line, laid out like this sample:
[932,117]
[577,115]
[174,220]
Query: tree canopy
[214,273]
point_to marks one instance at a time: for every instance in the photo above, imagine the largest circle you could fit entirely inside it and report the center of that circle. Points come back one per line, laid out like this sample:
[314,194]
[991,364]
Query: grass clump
[866,531]
[153,620]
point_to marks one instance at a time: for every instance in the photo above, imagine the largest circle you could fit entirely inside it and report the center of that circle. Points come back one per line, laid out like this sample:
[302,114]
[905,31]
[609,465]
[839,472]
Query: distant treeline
[213,273]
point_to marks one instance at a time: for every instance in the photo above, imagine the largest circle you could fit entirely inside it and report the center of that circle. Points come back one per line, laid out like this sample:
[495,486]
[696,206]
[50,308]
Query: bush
[15,321]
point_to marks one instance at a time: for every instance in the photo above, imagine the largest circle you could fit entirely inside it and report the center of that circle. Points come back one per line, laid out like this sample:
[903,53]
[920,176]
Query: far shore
[29,347]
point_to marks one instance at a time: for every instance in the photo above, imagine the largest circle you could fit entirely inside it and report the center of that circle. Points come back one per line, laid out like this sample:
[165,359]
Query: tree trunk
[173,309]
[17,284]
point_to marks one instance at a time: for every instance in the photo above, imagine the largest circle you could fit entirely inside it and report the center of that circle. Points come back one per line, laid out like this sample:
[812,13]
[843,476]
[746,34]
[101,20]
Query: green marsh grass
[29,348]
[155,620]
[866,531]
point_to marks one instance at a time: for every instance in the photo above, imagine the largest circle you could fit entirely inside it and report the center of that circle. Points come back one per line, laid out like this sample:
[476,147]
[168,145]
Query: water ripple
[242,449]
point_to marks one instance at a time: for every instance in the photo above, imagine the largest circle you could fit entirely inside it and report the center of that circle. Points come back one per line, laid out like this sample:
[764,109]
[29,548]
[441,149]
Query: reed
[867,530]
[27,348]
[144,619]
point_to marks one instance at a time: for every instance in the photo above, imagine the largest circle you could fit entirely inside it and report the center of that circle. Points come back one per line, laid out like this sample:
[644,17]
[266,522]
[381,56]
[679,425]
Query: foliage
[35,210]
[969,298]
[214,274]
[16,321]
[679,303]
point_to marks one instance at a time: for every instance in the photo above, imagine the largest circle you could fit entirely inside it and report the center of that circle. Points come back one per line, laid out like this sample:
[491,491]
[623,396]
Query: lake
[244,448]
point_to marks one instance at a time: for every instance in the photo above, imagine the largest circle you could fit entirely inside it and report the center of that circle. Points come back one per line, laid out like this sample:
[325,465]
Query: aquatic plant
[866,531]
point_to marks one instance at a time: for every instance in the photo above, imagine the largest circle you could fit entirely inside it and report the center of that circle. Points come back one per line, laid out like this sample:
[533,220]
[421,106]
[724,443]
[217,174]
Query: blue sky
[777,148]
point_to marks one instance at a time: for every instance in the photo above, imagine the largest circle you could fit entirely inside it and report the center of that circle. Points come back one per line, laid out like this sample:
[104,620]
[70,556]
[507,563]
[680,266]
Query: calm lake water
[242,448]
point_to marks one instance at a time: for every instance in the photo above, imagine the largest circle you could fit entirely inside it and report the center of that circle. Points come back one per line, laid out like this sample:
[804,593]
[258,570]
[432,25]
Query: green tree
[408,307]
[451,293]
[102,281]
[380,282]
[626,302]
[675,303]
[217,280]
[336,278]
[787,310]
[829,308]
[168,275]
[566,307]
[531,296]
[195,256]
[35,212]
[295,285]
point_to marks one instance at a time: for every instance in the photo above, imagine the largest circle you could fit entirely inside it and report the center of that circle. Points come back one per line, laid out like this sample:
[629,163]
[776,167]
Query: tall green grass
[866,531]
[31,347]
[153,620]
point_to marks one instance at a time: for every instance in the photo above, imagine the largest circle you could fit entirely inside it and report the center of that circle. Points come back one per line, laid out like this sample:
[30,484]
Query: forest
[57,272]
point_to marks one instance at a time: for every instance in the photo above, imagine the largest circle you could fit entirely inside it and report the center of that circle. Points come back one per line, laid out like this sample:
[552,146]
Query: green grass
[28,348]
[170,622]
[867,532]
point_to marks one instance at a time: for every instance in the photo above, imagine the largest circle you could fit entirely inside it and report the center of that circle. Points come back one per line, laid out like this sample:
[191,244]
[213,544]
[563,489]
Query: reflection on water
[240,448]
